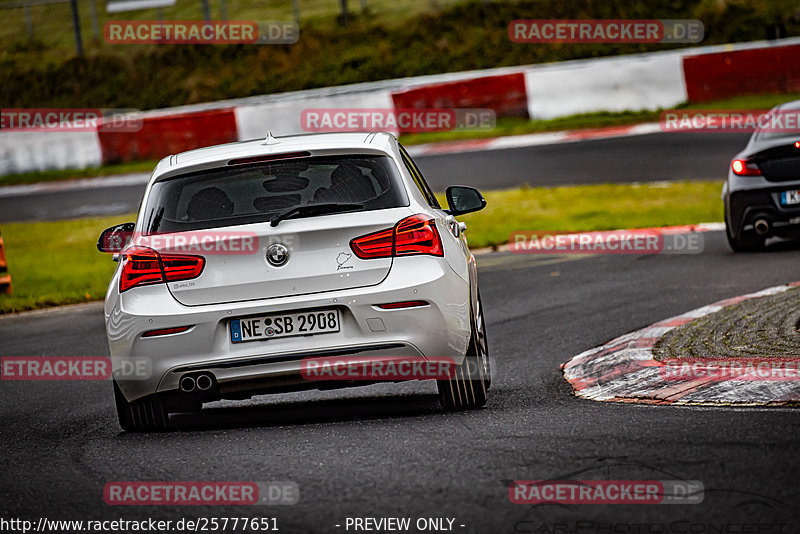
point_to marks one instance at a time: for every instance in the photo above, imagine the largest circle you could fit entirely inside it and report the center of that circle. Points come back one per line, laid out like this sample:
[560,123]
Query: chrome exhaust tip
[762,226]
[187,384]
[204,382]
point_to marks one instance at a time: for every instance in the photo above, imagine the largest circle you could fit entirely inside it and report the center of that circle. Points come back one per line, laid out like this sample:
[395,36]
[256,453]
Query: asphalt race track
[643,158]
[639,158]
[388,450]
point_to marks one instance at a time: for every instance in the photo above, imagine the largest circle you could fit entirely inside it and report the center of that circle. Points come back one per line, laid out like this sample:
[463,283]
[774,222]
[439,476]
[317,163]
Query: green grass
[756,101]
[53,263]
[394,38]
[53,38]
[592,207]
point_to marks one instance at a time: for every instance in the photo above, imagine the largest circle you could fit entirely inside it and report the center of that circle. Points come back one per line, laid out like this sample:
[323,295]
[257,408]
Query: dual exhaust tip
[201,382]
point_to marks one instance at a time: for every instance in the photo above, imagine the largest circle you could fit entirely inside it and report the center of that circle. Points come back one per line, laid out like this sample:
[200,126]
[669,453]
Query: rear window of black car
[255,193]
[783,126]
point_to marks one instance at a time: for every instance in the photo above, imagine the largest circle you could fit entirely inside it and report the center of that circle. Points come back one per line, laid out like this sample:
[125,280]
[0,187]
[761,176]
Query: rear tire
[483,340]
[745,243]
[147,414]
[467,389]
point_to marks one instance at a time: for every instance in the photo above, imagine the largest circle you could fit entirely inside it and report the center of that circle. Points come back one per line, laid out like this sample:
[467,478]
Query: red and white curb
[624,370]
[536,139]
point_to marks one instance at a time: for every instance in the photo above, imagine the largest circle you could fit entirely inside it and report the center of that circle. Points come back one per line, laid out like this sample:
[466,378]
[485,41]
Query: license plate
[790,197]
[284,325]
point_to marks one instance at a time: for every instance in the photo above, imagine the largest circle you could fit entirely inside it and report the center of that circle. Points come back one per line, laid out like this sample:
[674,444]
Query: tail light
[268,157]
[745,167]
[142,266]
[413,235]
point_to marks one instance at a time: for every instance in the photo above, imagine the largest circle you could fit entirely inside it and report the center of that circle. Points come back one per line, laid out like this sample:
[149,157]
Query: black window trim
[419,180]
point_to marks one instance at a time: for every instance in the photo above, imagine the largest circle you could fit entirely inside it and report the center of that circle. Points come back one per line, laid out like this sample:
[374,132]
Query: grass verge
[53,263]
[389,39]
[592,207]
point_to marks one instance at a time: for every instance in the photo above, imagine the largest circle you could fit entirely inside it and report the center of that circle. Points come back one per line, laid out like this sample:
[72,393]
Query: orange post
[5,278]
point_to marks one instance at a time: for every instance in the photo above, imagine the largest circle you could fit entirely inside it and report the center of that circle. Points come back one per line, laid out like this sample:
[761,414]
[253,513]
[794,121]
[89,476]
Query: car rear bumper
[439,329]
[745,206]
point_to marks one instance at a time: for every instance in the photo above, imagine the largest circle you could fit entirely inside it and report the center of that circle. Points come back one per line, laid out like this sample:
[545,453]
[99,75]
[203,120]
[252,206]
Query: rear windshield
[241,195]
[787,110]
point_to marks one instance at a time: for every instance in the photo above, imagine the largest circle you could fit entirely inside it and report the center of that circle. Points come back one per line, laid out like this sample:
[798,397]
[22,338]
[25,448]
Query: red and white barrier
[771,69]
[169,134]
[621,83]
[39,151]
[504,94]
[282,116]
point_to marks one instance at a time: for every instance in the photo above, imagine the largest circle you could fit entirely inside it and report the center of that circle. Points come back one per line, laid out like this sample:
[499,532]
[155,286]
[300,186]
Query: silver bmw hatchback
[283,264]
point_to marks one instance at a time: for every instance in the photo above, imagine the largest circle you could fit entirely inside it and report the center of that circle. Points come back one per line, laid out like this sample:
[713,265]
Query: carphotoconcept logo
[406,120]
[200,32]
[69,120]
[606,31]
[564,503]
[638,241]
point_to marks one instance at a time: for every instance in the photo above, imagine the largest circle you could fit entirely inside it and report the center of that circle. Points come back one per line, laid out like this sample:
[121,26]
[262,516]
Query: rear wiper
[314,209]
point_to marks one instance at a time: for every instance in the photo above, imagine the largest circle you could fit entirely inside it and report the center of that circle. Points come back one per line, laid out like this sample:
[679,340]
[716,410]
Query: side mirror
[113,240]
[462,199]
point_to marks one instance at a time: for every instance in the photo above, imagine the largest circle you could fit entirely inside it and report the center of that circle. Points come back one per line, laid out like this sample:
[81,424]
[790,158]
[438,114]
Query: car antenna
[270,140]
